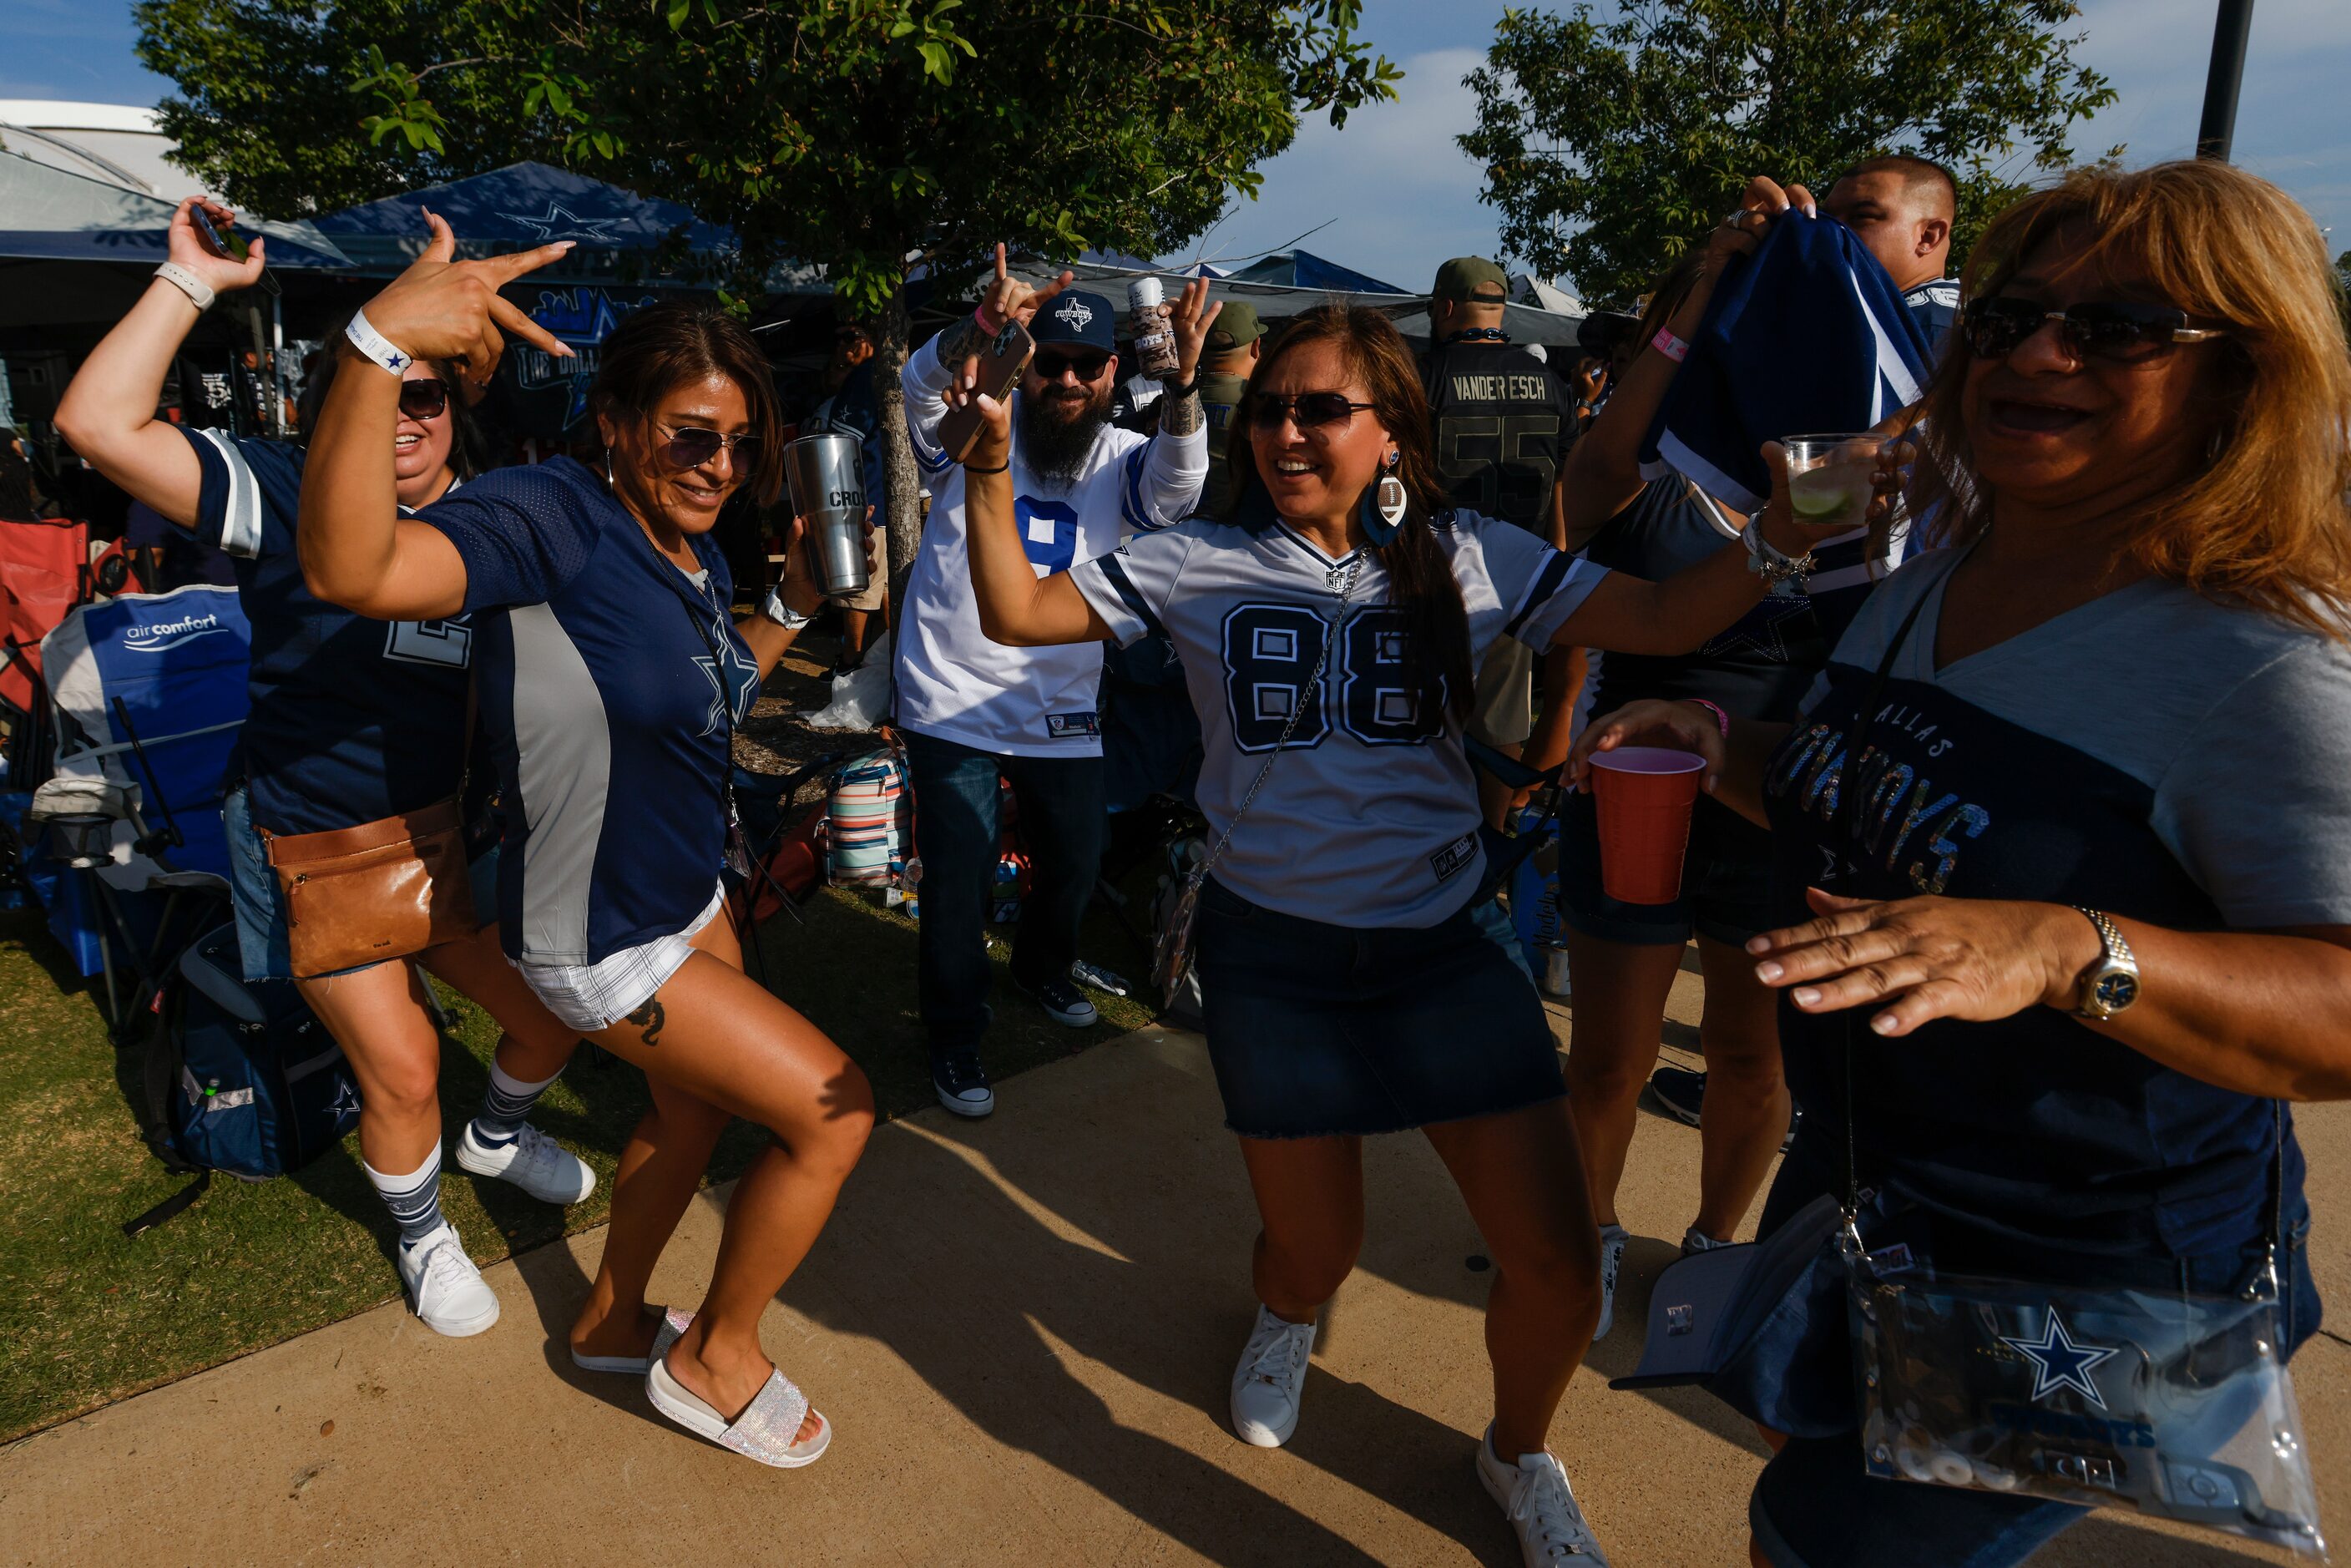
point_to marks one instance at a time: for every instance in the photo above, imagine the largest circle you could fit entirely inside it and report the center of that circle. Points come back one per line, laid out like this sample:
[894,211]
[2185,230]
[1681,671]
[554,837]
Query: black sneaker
[1682,1092]
[962,1083]
[1065,1003]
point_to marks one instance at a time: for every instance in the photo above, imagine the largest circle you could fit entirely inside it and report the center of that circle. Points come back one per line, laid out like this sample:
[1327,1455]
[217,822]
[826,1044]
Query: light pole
[2219,127]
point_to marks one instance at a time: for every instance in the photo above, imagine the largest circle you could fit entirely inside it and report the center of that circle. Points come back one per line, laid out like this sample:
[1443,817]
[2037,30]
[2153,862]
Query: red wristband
[1721,719]
[1673,347]
[980,315]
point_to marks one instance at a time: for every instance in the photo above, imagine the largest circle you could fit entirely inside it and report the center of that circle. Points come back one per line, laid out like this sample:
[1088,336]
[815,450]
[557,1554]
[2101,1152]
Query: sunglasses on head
[1086,363]
[2114,331]
[427,397]
[1308,410]
[690,446]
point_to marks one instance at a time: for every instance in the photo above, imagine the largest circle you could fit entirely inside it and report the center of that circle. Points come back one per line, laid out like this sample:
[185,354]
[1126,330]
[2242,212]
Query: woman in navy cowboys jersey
[1351,986]
[353,720]
[611,677]
[2078,902]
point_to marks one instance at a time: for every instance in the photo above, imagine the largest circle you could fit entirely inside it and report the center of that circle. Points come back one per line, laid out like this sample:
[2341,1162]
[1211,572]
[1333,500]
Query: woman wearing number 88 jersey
[612,675]
[1353,985]
[353,720]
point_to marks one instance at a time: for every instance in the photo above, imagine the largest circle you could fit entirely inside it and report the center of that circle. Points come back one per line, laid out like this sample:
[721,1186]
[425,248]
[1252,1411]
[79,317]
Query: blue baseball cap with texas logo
[1077,318]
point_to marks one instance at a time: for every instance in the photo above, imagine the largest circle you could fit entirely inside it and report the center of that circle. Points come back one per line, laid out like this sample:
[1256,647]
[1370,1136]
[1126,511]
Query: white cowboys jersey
[1371,816]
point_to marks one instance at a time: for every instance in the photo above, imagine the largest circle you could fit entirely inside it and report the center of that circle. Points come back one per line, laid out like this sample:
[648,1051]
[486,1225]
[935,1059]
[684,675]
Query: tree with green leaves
[881,138]
[1611,147]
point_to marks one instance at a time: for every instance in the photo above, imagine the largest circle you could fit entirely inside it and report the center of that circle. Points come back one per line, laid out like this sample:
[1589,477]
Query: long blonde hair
[2265,521]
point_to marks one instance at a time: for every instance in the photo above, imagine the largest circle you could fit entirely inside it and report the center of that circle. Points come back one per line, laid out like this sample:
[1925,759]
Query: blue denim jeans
[957,835]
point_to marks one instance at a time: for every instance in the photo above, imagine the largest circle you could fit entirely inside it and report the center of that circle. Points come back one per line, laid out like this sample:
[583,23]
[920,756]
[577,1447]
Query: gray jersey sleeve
[2257,804]
[1129,587]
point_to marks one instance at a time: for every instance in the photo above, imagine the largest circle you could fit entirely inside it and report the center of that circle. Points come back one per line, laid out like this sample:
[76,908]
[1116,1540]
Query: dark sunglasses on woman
[690,446]
[2114,331]
[1308,410]
[1049,365]
[427,397]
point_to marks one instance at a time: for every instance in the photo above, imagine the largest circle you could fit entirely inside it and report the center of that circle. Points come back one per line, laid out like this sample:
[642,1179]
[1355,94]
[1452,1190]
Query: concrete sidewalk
[1023,1330]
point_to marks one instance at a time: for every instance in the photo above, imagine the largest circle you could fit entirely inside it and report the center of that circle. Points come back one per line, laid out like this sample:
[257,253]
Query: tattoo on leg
[649,1020]
[1183,415]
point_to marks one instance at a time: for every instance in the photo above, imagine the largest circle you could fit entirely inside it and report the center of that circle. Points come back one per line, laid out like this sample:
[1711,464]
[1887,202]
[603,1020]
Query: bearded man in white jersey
[972,711]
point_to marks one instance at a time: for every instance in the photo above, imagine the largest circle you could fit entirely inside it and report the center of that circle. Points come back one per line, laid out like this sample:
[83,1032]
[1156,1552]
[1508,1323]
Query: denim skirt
[1318,1030]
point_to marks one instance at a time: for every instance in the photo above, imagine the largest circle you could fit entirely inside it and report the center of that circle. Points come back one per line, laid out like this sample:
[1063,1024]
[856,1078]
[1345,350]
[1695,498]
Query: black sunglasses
[690,446]
[427,397]
[1049,363]
[2116,331]
[1308,410]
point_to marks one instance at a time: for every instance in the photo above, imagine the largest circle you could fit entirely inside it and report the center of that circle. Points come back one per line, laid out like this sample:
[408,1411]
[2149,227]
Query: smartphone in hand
[223,241]
[1000,364]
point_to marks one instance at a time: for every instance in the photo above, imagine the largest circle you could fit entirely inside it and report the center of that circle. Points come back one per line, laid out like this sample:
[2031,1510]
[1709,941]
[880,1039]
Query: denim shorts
[1726,881]
[260,907]
[1816,1506]
[1316,1031]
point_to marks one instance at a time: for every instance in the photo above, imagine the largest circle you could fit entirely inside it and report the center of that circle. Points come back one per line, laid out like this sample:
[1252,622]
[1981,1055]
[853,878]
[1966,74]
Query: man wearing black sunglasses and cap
[1501,417]
[972,710]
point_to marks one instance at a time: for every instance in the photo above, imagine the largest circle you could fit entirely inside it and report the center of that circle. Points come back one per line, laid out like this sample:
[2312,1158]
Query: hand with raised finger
[219,272]
[441,309]
[992,448]
[1678,727]
[1191,320]
[1916,959]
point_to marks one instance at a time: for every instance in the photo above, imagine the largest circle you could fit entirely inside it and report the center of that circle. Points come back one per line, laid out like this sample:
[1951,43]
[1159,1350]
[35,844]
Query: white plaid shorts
[590,997]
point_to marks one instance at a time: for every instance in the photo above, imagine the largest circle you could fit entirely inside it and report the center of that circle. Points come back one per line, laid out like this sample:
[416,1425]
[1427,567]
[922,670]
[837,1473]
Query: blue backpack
[241,1077]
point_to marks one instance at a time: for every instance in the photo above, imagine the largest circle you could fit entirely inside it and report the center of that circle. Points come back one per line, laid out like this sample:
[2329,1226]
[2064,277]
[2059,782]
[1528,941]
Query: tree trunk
[905,505]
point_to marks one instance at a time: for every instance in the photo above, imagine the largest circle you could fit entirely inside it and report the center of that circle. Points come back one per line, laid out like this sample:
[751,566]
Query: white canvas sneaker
[532,1161]
[1541,1508]
[1269,1380]
[1612,1263]
[448,1290]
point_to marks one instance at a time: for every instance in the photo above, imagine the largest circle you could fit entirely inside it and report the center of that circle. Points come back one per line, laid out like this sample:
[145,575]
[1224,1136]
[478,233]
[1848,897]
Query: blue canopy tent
[1304,269]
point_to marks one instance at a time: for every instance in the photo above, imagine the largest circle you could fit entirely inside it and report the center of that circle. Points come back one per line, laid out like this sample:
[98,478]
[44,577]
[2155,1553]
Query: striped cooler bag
[866,831]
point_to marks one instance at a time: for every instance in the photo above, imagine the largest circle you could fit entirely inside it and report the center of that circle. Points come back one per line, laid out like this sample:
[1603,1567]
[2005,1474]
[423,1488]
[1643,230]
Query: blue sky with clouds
[1397,197]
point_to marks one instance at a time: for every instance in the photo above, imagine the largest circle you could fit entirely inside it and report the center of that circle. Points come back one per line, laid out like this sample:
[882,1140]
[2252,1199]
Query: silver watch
[774,607]
[2111,984]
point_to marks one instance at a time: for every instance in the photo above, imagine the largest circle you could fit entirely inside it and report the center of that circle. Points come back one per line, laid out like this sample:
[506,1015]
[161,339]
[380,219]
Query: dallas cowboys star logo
[561,223]
[743,677]
[346,1103]
[398,363]
[2058,1362]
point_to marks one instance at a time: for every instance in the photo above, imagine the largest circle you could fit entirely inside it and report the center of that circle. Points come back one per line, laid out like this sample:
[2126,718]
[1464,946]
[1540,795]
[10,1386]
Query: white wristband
[782,614]
[372,343]
[200,292]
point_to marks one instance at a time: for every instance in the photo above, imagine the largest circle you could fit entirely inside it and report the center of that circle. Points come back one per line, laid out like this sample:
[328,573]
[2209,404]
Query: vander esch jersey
[953,682]
[353,719]
[1370,816]
[1498,414]
[610,684]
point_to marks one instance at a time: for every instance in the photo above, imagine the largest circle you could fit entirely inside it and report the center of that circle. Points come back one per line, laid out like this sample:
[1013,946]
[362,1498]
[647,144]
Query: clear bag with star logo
[2177,1406]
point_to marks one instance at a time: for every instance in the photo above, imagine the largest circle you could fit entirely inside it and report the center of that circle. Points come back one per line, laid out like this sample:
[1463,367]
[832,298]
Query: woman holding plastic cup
[2076,901]
[1354,984]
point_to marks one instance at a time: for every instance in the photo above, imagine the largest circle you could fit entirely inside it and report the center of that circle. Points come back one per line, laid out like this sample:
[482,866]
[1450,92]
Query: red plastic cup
[1644,794]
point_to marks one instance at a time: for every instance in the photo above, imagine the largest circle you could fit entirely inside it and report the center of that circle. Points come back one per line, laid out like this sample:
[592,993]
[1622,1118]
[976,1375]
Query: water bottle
[1154,339]
[828,480]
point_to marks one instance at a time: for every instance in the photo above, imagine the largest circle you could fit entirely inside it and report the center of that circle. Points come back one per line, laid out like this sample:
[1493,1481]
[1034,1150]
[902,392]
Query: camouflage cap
[1236,327]
[1470,277]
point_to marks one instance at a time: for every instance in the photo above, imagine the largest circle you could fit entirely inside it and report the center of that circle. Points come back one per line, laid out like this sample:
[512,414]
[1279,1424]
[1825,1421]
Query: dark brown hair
[468,456]
[1918,174]
[663,347]
[1420,578]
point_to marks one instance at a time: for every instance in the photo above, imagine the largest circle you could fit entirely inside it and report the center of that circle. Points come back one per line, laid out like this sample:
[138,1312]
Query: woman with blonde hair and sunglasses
[1354,984]
[2067,917]
[354,720]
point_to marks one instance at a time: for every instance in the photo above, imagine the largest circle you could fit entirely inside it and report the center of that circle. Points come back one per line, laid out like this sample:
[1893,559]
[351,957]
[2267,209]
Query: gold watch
[2110,984]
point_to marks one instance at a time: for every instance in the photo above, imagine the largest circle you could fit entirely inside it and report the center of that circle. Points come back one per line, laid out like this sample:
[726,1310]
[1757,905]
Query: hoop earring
[1383,505]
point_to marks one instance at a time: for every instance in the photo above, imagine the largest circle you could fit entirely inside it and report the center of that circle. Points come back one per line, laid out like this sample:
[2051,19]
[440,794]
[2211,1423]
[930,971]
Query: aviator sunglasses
[2116,331]
[690,446]
[425,398]
[1308,410]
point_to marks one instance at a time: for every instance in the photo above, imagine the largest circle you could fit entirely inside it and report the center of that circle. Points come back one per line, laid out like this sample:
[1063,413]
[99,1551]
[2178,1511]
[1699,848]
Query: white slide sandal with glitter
[673,1322]
[763,1432]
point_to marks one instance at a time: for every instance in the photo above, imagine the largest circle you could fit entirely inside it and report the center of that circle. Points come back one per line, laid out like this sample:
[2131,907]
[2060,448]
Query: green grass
[91,1316]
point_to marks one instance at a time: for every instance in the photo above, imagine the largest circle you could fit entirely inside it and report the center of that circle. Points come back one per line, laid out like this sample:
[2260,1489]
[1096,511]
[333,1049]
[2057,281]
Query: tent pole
[278,365]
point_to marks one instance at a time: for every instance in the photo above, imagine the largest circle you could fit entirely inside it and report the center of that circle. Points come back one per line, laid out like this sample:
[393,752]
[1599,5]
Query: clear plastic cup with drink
[1830,477]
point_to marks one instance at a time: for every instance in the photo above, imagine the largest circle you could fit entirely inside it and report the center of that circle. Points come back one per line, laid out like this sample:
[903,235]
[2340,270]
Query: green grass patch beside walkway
[89,1316]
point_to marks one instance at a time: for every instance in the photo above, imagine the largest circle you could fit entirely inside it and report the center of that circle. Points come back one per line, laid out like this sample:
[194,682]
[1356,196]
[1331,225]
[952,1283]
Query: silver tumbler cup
[828,482]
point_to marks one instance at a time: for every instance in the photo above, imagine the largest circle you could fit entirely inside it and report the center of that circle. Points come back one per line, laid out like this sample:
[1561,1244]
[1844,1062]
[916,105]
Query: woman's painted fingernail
[1768,970]
[1759,943]
[1805,996]
[1882,1024]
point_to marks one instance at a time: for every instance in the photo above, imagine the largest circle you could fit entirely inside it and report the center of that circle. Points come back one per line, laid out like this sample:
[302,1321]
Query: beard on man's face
[1057,429]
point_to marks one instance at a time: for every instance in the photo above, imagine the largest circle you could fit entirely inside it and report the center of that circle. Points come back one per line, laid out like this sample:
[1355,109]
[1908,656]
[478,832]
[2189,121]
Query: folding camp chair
[44,573]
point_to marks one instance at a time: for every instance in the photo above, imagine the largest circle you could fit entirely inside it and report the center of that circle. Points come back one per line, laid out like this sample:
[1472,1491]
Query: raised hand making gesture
[1191,317]
[444,309]
[218,273]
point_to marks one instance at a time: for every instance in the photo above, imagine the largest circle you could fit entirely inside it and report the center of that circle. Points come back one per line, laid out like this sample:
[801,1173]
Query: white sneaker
[532,1161]
[1541,1508]
[1695,1241]
[1612,1259]
[1267,1382]
[448,1291]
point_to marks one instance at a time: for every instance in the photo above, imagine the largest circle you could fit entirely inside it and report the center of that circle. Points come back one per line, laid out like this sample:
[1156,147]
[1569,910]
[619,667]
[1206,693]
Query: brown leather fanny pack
[381,889]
